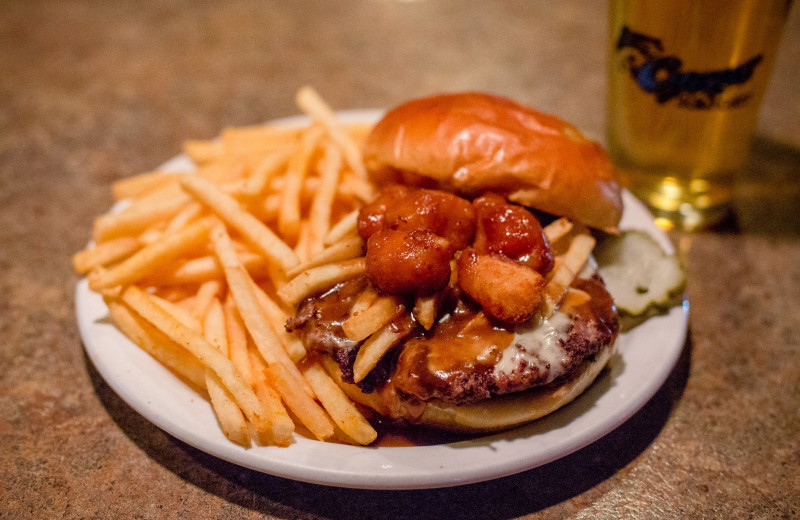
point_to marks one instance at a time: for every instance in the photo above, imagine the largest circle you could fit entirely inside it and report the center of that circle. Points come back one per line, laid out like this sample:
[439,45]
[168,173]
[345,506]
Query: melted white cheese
[539,346]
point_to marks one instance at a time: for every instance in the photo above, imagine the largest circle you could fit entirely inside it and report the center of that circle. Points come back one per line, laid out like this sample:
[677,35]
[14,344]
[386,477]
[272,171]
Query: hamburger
[493,320]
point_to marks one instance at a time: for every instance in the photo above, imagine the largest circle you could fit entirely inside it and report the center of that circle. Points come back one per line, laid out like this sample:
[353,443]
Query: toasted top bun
[470,143]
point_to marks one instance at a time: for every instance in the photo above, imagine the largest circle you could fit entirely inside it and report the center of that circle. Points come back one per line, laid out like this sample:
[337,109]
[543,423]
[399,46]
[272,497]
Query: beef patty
[465,357]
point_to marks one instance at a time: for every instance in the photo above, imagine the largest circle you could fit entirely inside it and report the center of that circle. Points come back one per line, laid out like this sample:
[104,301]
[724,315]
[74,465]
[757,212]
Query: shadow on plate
[505,497]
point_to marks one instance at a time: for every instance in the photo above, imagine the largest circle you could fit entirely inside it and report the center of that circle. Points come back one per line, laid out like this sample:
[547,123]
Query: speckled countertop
[94,91]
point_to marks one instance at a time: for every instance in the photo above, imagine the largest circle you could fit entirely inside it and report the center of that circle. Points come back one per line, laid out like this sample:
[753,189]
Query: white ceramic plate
[646,356]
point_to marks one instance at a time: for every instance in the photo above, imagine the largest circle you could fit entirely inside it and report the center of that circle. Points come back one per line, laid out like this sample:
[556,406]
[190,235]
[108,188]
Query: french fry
[356,187]
[186,304]
[373,349]
[346,226]
[364,300]
[184,316]
[282,426]
[252,154]
[277,185]
[153,256]
[237,339]
[105,253]
[303,246]
[346,249]
[269,209]
[201,152]
[152,234]
[339,407]
[362,323]
[231,419]
[372,400]
[206,294]
[557,229]
[267,169]
[260,236]
[568,267]
[425,311]
[204,268]
[358,131]
[214,327]
[308,187]
[157,344]
[141,185]
[195,343]
[318,278]
[574,298]
[188,214]
[139,216]
[311,414]
[172,294]
[476,325]
[255,319]
[277,277]
[319,217]
[227,170]
[289,218]
[259,138]
[312,104]
[277,319]
[290,196]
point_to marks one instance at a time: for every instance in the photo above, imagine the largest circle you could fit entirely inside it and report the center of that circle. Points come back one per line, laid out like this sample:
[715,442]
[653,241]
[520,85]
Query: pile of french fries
[201,269]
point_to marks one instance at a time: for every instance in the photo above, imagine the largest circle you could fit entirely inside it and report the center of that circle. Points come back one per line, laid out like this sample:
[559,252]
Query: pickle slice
[640,276]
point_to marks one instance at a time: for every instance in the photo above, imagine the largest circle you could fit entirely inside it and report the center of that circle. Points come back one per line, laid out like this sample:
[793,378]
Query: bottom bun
[506,411]
[499,412]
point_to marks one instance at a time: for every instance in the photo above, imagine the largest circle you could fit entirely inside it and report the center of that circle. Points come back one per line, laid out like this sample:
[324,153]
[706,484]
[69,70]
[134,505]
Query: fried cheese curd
[415,237]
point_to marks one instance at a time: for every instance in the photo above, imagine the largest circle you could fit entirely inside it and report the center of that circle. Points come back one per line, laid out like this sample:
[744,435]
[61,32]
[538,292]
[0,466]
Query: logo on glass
[663,76]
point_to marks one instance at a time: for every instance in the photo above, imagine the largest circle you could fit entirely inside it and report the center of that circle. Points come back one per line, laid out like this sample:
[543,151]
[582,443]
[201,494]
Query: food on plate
[433,268]
[469,313]
[189,264]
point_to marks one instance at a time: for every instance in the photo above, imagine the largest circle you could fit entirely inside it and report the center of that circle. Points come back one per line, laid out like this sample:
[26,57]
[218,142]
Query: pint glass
[686,78]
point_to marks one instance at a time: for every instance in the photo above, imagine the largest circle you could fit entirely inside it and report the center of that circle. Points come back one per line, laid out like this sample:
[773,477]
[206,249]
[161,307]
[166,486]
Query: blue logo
[663,76]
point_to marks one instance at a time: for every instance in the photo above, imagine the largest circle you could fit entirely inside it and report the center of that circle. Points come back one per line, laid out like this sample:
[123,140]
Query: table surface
[91,92]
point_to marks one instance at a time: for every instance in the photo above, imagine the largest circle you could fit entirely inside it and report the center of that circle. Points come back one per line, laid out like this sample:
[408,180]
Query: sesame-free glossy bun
[470,143]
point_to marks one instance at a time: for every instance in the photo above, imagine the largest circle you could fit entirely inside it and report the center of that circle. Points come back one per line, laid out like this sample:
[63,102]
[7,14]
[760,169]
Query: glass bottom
[687,205]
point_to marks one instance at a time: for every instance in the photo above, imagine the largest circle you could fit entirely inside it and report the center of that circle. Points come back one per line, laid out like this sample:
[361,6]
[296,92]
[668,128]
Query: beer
[686,78]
